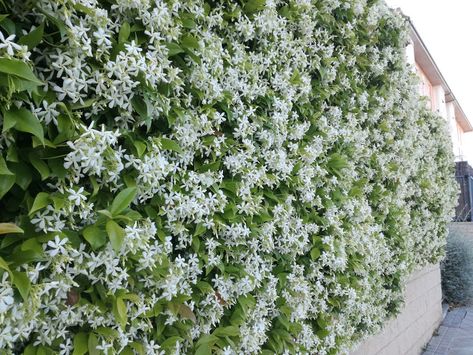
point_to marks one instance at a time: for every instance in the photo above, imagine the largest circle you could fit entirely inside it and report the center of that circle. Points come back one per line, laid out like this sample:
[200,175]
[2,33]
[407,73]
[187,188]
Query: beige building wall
[421,315]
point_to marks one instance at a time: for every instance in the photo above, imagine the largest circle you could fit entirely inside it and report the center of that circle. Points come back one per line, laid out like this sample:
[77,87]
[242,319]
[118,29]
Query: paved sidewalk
[455,334]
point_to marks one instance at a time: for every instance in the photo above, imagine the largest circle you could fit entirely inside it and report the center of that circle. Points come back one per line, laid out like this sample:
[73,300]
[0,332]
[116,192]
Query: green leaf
[40,166]
[123,200]
[33,38]
[116,234]
[4,266]
[105,213]
[315,253]
[24,121]
[173,49]
[199,230]
[204,349]
[124,33]
[169,144]
[81,345]
[230,331]
[186,313]
[140,148]
[7,228]
[41,200]
[252,6]
[120,312]
[204,287]
[4,168]
[30,350]
[18,68]
[92,344]
[6,182]
[139,349]
[22,283]
[7,24]
[96,236]
[189,42]
[23,175]
[170,342]
[207,339]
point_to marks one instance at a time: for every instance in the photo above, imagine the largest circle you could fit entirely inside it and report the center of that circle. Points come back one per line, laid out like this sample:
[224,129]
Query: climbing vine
[211,176]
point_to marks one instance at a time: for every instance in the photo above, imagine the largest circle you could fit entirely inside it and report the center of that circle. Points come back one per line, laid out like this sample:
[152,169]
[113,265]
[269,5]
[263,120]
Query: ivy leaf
[123,200]
[116,234]
[7,228]
[169,144]
[95,236]
[33,38]
[22,283]
[81,345]
[24,121]
[18,68]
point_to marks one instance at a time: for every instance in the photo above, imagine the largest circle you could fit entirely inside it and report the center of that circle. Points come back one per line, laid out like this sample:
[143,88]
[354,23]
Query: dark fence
[464,177]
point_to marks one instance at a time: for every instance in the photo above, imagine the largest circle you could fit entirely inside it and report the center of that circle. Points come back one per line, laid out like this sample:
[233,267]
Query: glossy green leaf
[315,253]
[121,312]
[41,200]
[30,350]
[22,283]
[169,144]
[96,236]
[173,49]
[6,183]
[24,121]
[81,344]
[4,168]
[18,68]
[7,228]
[123,200]
[124,33]
[230,331]
[204,349]
[40,166]
[33,38]
[116,234]
[92,344]
[23,176]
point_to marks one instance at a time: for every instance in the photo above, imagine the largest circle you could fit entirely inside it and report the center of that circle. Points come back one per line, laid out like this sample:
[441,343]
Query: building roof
[431,70]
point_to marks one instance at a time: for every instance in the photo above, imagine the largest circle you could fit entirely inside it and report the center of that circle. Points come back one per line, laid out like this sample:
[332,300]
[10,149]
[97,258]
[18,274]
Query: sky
[446,27]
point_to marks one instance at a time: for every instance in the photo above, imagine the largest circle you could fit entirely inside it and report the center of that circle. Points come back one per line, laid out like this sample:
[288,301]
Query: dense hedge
[211,176]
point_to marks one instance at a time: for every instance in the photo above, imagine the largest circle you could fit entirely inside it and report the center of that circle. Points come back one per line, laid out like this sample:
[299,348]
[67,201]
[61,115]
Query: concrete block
[413,328]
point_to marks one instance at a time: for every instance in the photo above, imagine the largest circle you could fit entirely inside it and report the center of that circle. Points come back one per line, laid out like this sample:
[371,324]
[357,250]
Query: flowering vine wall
[200,177]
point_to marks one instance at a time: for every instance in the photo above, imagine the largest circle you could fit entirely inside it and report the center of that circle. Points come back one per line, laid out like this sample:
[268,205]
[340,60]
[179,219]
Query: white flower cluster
[233,179]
